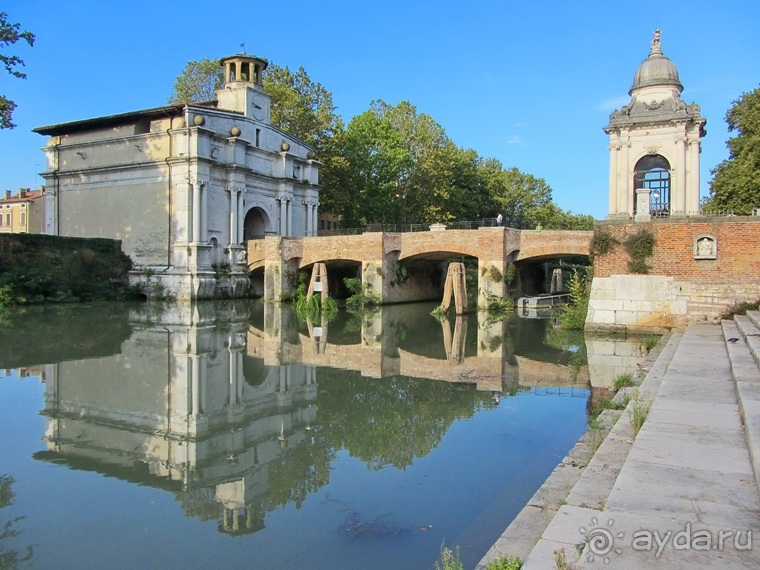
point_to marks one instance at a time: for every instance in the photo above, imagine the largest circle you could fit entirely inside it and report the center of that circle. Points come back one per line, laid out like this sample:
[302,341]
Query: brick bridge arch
[381,256]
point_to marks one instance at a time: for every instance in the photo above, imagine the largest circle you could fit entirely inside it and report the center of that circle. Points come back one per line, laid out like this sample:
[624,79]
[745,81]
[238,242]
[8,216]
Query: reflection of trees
[393,420]
[300,471]
[91,332]
[200,503]
[10,558]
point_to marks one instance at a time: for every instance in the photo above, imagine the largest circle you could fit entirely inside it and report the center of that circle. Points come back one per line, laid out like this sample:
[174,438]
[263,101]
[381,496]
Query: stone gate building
[185,185]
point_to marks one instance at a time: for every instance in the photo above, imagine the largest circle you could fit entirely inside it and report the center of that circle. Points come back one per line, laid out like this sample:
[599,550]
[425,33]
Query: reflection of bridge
[403,267]
[376,353]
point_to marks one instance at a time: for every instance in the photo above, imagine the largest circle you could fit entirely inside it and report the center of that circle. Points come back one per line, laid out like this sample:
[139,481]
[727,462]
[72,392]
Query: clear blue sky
[529,83]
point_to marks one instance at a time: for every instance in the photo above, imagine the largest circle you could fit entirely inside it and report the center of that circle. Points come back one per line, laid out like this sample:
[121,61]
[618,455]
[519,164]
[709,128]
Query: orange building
[23,213]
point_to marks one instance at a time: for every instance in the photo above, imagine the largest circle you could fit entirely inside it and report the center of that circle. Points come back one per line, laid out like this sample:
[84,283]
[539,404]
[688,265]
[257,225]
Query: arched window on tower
[653,172]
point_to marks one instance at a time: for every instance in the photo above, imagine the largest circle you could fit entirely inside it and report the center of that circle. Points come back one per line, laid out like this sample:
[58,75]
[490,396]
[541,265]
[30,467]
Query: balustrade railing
[406,228]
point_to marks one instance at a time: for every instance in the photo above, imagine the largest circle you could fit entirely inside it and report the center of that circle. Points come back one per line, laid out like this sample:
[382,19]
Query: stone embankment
[680,493]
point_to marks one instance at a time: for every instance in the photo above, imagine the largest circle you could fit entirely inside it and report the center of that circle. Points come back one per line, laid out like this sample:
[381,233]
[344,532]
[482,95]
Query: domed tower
[243,90]
[654,145]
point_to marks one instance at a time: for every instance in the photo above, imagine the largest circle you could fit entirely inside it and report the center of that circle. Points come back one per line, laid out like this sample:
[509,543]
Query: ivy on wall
[640,246]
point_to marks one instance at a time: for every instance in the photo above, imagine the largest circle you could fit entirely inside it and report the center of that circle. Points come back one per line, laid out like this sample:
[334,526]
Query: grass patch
[504,562]
[623,381]
[639,415]
[650,342]
[739,309]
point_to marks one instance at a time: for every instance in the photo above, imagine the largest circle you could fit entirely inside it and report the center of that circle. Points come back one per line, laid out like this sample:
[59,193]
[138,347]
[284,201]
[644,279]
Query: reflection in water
[11,556]
[239,409]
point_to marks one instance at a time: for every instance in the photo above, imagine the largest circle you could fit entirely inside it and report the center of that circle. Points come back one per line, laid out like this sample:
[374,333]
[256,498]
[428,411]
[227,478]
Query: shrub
[360,295]
[573,315]
[640,246]
[602,242]
[504,562]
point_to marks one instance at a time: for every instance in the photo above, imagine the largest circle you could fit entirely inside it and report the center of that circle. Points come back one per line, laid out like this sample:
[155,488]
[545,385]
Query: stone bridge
[403,267]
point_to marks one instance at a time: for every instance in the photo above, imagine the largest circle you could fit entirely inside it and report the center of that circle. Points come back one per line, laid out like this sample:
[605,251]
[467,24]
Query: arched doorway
[653,172]
[255,224]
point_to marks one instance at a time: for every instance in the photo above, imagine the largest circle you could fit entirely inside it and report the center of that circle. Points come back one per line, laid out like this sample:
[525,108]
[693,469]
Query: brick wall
[679,288]
[738,256]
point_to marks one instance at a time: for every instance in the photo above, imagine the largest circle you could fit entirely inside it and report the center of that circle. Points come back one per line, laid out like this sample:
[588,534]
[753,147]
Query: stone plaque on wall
[705,247]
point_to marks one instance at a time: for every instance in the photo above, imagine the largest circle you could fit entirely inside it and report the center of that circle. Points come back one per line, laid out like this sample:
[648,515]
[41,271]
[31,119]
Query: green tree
[198,81]
[736,180]
[9,35]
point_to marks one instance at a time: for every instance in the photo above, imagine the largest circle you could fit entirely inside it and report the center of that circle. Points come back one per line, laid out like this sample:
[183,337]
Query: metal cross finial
[243,47]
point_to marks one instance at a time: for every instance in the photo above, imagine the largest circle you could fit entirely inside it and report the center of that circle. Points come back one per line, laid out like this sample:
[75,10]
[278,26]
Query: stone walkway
[683,492]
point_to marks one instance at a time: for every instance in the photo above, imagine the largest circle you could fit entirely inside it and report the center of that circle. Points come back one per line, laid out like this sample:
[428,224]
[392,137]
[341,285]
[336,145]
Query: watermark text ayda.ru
[689,539]
[604,542]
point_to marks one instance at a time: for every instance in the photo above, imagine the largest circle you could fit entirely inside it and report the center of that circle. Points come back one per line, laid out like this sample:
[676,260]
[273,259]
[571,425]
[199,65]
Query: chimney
[7,194]
[22,192]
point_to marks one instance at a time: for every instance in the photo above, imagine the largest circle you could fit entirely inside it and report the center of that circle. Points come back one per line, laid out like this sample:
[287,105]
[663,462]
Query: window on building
[653,172]
[258,137]
[23,218]
[8,219]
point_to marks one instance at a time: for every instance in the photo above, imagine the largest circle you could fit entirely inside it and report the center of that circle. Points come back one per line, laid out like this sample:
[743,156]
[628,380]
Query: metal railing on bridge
[405,228]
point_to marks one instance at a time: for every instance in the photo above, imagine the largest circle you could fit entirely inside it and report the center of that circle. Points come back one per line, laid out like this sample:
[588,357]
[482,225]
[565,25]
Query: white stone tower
[243,91]
[655,145]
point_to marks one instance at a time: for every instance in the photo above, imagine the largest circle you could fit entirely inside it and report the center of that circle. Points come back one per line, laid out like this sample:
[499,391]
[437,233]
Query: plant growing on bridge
[360,295]
[313,307]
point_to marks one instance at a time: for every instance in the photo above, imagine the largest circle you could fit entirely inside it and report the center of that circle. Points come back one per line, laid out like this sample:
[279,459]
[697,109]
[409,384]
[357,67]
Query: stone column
[241,219]
[693,176]
[234,198]
[204,210]
[308,217]
[195,190]
[289,229]
[283,215]
[613,197]
[625,195]
[315,219]
[678,197]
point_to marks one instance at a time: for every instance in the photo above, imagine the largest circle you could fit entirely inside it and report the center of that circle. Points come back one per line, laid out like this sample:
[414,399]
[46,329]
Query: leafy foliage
[360,296]
[9,35]
[602,242]
[640,246]
[573,315]
[736,181]
[198,81]
[42,269]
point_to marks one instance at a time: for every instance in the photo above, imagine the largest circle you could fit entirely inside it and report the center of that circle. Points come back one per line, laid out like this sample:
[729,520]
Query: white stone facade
[184,186]
[656,123]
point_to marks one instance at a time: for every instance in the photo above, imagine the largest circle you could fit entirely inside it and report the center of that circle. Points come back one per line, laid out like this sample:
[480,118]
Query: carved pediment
[653,105]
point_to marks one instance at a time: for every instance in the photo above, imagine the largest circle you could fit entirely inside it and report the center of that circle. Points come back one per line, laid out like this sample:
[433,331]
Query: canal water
[233,434]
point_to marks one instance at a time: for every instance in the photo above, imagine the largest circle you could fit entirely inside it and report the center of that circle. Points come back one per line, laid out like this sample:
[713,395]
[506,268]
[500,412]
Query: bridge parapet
[547,243]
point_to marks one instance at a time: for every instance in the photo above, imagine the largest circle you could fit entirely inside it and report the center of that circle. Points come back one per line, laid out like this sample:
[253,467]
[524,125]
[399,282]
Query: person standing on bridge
[539,227]
[499,219]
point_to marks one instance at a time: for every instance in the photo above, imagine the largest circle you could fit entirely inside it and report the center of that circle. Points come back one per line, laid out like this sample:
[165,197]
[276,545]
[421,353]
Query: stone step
[751,335]
[598,479]
[754,316]
[746,375]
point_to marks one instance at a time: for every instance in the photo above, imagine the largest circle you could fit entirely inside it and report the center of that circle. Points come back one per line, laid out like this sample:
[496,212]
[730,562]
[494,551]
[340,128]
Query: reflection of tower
[655,144]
